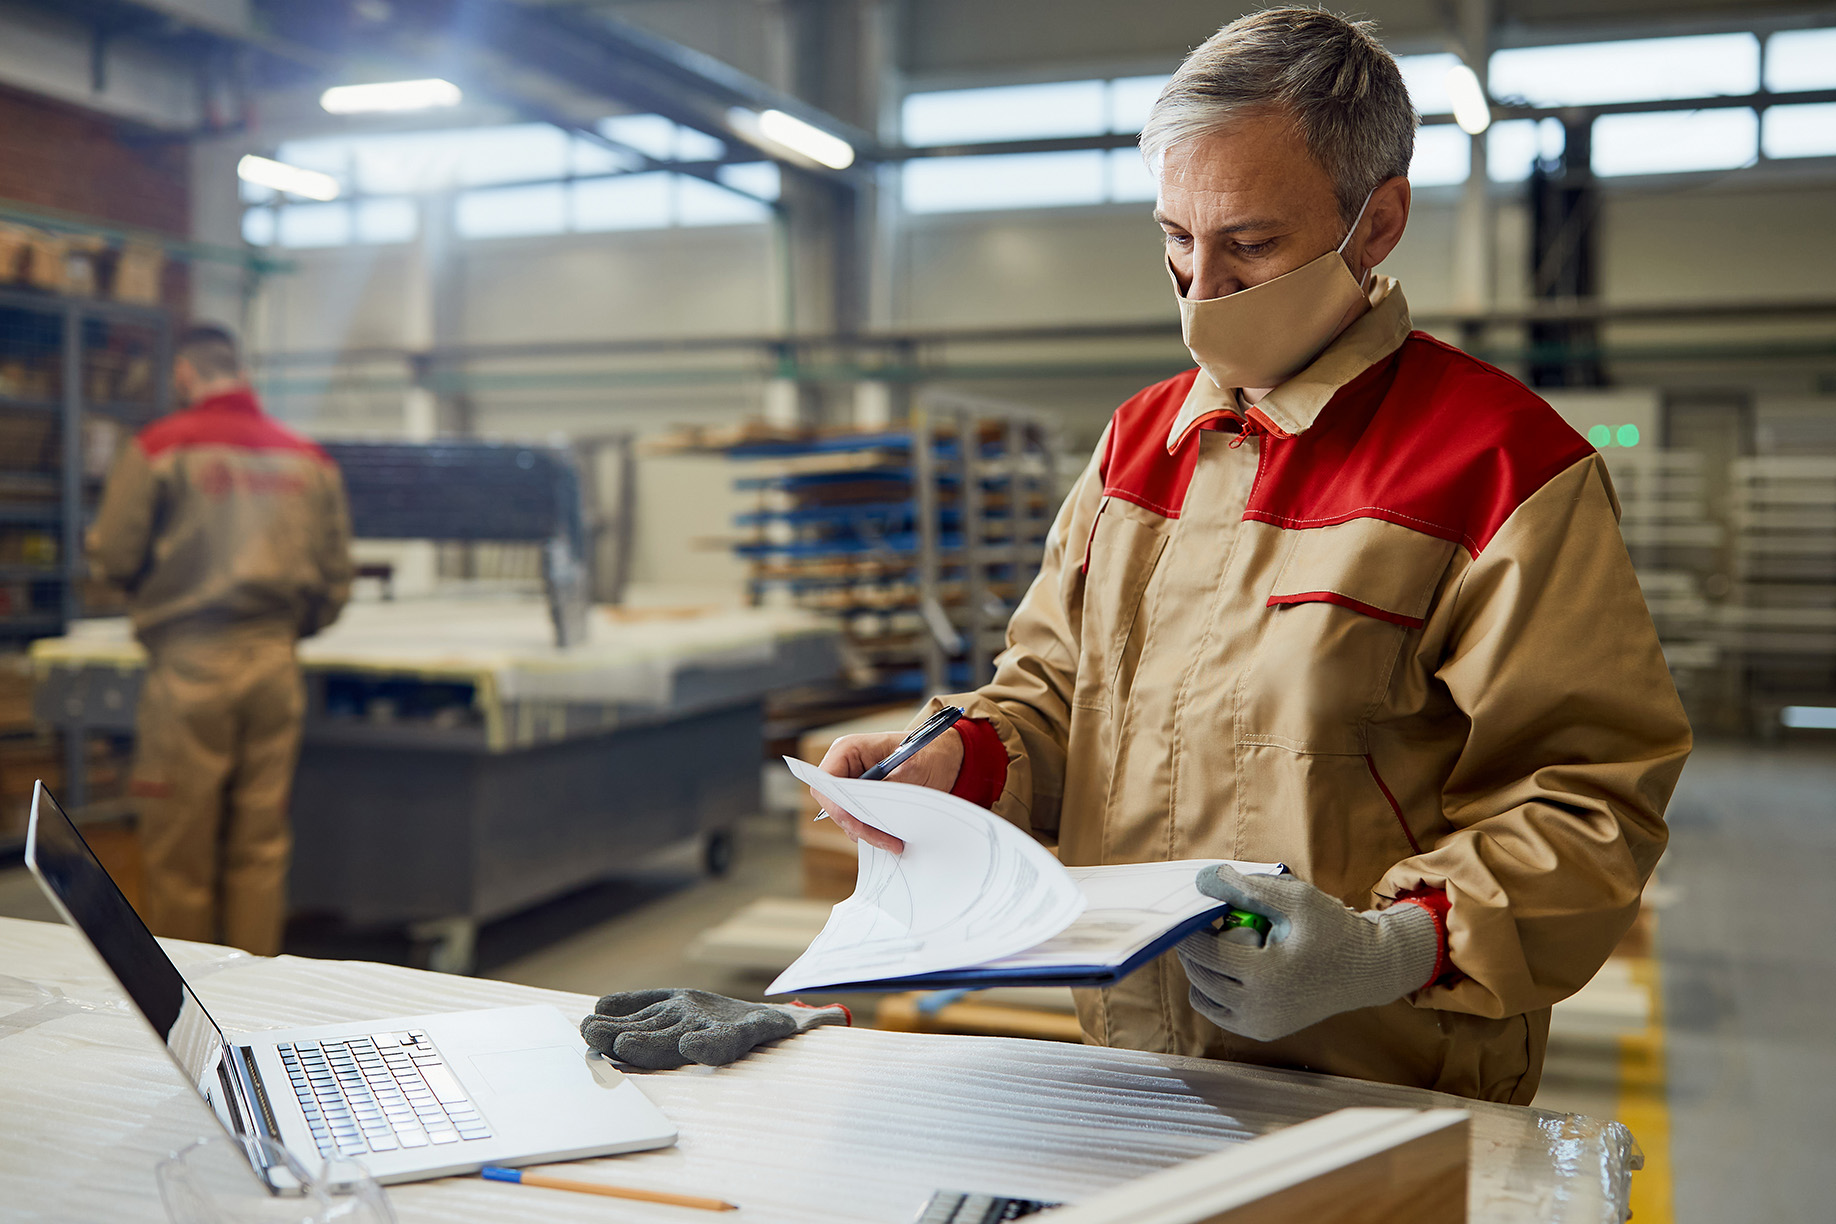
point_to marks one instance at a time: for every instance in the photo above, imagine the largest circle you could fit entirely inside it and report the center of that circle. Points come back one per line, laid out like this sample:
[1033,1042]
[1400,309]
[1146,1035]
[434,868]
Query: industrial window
[699,202]
[1006,112]
[1425,77]
[623,202]
[1443,155]
[657,137]
[1801,59]
[506,212]
[313,225]
[1635,70]
[1009,180]
[1130,100]
[760,179]
[1668,142]
[391,219]
[1514,146]
[508,180]
[1799,131]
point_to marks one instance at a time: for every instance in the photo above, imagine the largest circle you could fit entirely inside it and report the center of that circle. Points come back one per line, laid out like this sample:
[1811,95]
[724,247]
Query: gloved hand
[1320,958]
[661,1029]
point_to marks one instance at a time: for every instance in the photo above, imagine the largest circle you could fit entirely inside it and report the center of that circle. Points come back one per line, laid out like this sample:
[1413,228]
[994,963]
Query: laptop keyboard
[379,1093]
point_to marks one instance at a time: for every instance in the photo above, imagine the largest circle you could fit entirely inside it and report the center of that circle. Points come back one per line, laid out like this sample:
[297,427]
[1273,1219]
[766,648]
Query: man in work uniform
[231,535]
[1345,598]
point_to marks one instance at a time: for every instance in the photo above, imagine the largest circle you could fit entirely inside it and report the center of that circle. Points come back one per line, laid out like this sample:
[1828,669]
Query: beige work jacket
[1387,634]
[219,514]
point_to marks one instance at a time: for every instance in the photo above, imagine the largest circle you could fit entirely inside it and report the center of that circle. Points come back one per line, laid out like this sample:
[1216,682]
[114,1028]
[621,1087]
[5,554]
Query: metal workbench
[455,737]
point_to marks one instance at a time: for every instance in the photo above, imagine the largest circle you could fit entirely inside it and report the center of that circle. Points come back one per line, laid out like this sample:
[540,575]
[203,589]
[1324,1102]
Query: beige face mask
[1264,335]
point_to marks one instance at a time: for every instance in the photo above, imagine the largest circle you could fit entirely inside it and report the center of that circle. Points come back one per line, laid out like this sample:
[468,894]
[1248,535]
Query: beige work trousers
[218,736]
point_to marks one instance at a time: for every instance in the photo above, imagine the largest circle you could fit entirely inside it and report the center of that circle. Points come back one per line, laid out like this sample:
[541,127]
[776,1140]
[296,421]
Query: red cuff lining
[984,773]
[1436,903]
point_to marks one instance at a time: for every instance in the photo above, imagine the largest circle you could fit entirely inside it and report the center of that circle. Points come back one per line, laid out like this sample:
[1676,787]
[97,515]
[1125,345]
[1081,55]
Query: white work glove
[1320,958]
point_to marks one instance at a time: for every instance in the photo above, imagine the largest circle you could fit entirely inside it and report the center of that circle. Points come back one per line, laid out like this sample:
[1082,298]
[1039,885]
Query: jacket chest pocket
[1337,616]
[1124,547]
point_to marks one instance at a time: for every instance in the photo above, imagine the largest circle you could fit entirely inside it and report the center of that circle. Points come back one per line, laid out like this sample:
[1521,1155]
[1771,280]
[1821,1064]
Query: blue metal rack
[922,550]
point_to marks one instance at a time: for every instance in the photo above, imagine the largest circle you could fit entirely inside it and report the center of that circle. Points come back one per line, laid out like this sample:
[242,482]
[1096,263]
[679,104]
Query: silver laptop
[412,1097]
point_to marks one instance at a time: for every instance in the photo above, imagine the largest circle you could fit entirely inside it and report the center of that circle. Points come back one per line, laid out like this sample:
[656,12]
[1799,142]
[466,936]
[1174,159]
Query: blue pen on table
[912,744]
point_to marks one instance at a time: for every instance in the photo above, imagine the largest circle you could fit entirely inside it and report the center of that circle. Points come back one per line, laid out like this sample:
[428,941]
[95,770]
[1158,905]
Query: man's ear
[1384,221]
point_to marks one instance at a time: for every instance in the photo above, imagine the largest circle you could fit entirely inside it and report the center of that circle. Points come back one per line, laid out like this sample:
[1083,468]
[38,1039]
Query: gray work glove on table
[1320,958]
[661,1029]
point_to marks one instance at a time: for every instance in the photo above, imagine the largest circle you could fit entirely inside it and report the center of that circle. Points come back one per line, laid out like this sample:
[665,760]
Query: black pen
[912,744]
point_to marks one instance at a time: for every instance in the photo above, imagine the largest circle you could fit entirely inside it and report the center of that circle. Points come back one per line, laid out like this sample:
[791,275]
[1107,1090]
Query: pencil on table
[493,1173]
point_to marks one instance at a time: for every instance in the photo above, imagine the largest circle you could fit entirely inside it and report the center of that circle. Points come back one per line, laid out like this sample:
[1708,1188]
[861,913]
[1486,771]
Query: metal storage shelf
[64,363]
[920,547]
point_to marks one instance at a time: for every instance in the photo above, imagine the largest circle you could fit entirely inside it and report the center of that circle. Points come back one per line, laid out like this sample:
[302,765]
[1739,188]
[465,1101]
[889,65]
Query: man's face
[1244,205]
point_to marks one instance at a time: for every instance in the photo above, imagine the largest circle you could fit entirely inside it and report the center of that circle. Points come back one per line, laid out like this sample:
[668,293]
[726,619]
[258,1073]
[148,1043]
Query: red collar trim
[240,399]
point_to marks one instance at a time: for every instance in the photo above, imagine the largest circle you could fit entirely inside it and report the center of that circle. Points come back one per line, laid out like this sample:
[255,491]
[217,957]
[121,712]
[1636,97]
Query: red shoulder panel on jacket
[1432,439]
[1136,466]
[234,420]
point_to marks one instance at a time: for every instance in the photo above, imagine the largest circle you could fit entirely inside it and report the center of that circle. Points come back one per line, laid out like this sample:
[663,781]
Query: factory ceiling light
[793,134]
[390,96]
[294,180]
[1470,109]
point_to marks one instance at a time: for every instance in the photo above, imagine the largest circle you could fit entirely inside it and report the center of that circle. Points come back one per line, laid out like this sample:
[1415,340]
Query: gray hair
[1330,74]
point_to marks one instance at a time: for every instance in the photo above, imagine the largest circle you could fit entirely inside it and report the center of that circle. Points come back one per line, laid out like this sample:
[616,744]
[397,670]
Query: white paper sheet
[969,888]
[1127,907]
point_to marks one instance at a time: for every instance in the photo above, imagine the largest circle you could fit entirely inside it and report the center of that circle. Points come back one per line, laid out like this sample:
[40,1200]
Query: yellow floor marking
[1644,1103]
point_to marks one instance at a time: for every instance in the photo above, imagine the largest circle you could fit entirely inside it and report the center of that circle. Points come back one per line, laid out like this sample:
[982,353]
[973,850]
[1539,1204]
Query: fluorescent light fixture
[1822,718]
[390,96]
[1470,110]
[294,180]
[803,139]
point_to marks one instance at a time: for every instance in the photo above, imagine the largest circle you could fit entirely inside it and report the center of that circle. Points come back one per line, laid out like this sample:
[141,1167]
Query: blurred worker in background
[1343,597]
[231,536]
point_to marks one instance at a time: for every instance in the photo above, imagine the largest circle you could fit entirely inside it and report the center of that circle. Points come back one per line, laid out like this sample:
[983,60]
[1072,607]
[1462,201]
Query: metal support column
[1564,260]
[973,529]
[1019,513]
[930,606]
[76,777]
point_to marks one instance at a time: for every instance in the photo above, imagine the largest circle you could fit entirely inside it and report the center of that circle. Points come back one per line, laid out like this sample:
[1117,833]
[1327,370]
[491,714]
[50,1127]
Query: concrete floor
[1748,956]
[1745,951]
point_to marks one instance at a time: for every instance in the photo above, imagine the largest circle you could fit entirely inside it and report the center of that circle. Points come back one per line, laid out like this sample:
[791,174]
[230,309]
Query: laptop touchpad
[542,1069]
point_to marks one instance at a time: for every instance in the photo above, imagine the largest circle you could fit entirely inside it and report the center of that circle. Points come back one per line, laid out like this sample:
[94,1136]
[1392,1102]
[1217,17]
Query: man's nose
[1211,278]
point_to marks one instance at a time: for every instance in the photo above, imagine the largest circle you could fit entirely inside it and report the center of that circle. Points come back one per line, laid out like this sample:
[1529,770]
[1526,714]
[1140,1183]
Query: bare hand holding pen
[935,765]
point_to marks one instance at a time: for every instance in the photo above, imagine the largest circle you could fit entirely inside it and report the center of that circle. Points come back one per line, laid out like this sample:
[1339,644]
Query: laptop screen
[90,901]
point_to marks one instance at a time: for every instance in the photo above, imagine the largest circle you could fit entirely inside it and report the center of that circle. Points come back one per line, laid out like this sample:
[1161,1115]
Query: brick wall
[57,156]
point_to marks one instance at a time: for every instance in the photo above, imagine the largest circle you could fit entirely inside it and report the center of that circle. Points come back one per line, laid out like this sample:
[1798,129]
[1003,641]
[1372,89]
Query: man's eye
[1179,239]
[1254,249]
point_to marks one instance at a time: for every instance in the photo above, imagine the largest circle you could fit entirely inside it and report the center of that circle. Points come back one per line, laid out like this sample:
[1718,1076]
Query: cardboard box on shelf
[25,759]
[14,241]
[16,685]
[139,270]
[47,262]
[29,441]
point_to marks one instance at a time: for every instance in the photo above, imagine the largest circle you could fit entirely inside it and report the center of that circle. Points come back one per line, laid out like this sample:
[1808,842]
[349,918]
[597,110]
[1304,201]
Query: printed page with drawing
[975,901]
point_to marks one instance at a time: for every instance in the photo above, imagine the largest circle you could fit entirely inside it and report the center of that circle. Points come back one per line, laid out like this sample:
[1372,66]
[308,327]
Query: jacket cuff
[1436,903]
[984,773]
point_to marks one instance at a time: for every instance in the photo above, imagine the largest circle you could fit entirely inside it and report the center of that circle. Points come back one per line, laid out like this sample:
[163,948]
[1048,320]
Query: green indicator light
[1600,435]
[1627,435]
